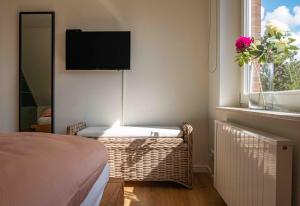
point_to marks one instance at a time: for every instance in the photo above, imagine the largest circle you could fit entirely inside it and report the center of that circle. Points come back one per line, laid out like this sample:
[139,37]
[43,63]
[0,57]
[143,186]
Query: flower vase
[261,86]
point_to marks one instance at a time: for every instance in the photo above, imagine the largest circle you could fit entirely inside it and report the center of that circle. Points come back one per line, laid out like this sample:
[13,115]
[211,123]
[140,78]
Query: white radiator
[252,168]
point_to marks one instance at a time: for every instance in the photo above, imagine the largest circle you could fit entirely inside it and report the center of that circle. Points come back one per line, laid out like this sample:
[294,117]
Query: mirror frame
[52,63]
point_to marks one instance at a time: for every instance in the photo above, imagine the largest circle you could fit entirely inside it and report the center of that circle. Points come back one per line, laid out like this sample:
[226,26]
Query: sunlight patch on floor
[130,197]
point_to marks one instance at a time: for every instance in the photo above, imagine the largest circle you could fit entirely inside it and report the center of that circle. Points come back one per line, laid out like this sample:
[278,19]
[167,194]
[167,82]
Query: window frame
[283,100]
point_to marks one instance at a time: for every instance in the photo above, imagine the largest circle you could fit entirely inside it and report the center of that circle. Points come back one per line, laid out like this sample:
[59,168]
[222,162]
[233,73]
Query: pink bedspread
[38,169]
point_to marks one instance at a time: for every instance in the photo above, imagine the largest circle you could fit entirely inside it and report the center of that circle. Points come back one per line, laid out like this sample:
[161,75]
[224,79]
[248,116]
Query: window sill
[264,113]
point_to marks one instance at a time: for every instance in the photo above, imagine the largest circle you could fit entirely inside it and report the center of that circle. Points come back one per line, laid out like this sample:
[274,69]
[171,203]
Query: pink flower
[242,43]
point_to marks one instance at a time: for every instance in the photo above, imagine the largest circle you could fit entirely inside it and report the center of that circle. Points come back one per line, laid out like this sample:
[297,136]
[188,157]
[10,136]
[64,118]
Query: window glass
[285,15]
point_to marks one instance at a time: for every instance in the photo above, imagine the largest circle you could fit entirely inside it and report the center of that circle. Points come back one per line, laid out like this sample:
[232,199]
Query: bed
[47,169]
[44,120]
[145,153]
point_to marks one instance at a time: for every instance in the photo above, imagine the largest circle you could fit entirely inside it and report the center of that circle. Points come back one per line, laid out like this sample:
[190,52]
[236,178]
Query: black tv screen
[97,50]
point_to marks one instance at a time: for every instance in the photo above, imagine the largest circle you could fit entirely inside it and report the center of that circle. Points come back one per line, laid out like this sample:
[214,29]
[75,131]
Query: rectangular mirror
[36,72]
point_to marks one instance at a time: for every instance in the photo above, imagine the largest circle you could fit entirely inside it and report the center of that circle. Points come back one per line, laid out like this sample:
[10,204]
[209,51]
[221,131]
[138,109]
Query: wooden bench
[114,193]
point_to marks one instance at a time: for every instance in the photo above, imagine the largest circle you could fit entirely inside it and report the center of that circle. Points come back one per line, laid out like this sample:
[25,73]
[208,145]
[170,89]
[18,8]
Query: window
[286,79]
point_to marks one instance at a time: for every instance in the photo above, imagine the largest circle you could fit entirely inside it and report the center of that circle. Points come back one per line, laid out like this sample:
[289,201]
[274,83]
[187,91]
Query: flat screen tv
[97,50]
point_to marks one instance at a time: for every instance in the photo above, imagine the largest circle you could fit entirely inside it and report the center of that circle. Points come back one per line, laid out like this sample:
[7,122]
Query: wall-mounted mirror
[36,73]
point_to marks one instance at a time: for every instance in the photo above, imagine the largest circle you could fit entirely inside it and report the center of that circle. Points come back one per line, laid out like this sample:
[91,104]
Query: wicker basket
[149,159]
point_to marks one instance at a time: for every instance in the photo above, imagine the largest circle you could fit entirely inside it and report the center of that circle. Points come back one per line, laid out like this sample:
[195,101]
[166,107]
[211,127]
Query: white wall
[167,84]
[214,70]
[230,29]
[8,67]
[224,80]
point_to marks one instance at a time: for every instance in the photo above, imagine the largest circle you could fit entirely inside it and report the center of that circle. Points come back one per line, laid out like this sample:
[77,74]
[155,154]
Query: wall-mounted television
[103,50]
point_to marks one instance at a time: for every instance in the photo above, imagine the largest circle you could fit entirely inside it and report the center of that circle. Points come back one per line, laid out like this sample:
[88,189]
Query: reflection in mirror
[36,72]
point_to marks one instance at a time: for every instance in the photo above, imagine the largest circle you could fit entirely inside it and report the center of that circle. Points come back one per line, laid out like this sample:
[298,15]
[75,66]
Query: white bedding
[44,121]
[95,195]
[128,131]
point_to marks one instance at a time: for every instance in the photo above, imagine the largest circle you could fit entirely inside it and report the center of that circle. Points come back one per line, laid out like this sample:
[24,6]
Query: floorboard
[172,194]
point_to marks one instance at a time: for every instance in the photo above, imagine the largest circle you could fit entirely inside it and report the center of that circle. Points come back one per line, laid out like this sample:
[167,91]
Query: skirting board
[202,169]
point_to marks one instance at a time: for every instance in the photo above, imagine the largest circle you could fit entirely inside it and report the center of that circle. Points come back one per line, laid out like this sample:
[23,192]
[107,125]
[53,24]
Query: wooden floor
[169,194]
